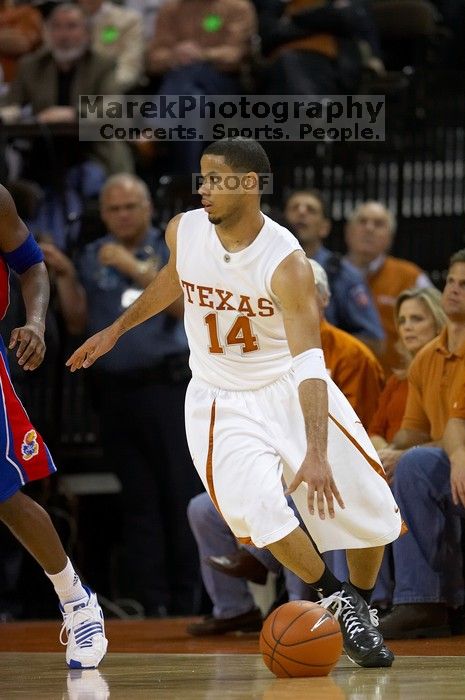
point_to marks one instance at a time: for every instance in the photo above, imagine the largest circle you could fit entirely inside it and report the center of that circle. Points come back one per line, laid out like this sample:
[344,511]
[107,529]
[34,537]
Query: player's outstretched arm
[23,255]
[294,286]
[159,294]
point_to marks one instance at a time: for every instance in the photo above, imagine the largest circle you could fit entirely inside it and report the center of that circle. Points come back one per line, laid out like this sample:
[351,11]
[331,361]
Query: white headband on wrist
[310,365]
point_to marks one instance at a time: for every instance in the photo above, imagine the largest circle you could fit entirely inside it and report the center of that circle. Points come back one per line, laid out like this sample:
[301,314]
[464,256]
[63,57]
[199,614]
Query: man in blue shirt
[140,389]
[351,307]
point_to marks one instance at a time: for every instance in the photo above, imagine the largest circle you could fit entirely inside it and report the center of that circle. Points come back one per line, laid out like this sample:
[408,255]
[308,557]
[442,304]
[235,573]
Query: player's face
[304,215]
[369,234]
[416,325]
[453,296]
[125,212]
[67,30]
[220,198]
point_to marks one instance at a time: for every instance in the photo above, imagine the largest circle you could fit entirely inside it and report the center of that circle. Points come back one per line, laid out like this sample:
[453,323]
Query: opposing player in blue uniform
[24,456]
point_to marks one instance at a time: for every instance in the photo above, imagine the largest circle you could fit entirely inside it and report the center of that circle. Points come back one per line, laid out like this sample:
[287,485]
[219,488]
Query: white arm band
[310,365]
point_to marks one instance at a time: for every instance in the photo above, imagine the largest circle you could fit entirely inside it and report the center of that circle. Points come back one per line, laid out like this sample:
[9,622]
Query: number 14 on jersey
[240,333]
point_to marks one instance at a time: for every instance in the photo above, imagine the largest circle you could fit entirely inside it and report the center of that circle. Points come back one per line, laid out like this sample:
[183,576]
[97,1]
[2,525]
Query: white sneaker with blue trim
[83,625]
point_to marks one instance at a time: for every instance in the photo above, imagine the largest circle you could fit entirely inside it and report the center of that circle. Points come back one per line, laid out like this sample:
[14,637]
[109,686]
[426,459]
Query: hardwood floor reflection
[44,676]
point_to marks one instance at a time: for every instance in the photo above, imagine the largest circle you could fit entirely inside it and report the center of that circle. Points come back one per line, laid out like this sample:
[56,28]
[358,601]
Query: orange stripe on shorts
[372,462]
[209,468]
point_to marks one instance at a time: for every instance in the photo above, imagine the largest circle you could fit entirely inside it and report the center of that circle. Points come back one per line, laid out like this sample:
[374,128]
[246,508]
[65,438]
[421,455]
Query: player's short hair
[310,192]
[242,155]
[458,257]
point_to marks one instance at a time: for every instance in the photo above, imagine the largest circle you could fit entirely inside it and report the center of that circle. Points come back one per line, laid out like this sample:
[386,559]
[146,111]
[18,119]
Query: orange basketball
[300,639]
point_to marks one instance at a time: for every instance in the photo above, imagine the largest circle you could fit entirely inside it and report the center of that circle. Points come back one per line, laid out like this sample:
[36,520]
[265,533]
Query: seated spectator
[350,363]
[419,318]
[369,236]
[315,48]
[139,389]
[20,33]
[199,45]
[50,82]
[350,307]
[428,478]
[198,48]
[117,33]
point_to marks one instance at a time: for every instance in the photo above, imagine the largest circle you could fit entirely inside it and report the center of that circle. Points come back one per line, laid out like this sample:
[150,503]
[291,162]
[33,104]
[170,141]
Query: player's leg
[235,440]
[26,458]
[83,619]
[32,526]
[364,566]
[363,642]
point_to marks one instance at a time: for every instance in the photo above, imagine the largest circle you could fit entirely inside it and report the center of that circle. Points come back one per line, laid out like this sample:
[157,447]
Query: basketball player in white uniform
[261,407]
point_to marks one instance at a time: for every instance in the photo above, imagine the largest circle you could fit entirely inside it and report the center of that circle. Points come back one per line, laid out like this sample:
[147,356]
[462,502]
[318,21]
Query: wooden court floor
[157,659]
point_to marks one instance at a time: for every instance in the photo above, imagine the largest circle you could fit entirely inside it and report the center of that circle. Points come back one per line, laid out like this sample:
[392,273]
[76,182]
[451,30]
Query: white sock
[67,585]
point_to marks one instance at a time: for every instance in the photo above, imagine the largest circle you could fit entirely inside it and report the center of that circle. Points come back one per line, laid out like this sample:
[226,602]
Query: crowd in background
[372,304]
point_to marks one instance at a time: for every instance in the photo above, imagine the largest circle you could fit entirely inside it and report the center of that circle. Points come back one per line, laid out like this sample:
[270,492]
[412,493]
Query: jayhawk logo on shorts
[30,446]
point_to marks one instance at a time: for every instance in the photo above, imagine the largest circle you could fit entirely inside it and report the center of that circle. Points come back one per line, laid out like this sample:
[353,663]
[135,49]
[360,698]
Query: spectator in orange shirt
[419,318]
[369,236]
[429,480]
[20,33]
[354,369]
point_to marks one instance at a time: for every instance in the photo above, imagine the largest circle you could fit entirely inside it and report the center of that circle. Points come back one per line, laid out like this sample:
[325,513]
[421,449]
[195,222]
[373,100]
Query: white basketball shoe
[83,632]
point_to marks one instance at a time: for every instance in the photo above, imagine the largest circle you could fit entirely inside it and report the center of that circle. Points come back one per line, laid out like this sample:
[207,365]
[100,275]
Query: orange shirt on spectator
[435,393]
[391,278]
[354,369]
[27,22]
[391,406]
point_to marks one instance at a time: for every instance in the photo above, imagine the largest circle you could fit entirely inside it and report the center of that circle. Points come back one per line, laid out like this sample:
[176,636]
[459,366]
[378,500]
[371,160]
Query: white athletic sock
[67,585]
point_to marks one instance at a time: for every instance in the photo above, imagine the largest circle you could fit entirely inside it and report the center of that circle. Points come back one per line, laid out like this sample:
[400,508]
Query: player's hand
[96,346]
[317,474]
[31,345]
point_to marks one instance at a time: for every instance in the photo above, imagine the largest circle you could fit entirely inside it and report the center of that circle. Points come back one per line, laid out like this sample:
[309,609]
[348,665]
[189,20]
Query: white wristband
[310,365]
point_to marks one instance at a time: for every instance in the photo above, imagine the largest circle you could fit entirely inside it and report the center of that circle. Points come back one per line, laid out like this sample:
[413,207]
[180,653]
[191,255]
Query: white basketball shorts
[244,443]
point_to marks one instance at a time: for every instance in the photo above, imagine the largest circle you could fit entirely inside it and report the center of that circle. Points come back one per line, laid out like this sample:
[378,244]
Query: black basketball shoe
[363,644]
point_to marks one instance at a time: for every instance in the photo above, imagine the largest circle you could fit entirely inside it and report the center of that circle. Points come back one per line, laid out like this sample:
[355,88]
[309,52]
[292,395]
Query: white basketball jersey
[233,321]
